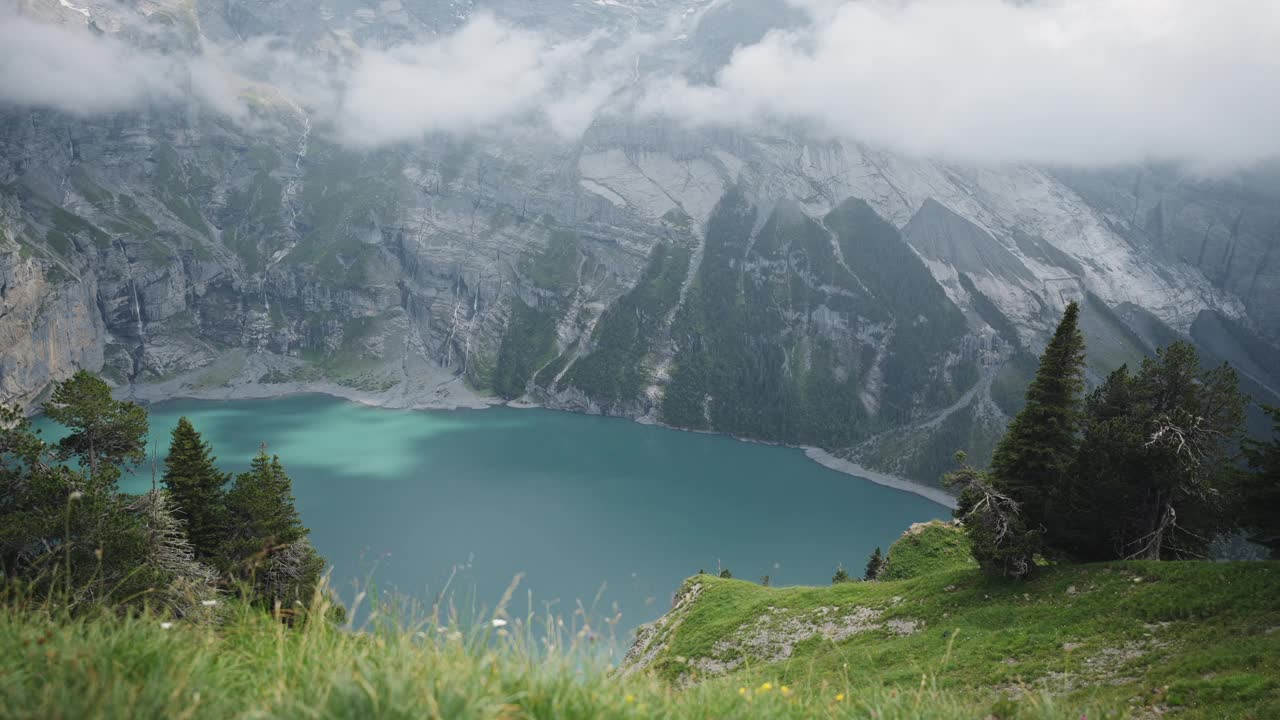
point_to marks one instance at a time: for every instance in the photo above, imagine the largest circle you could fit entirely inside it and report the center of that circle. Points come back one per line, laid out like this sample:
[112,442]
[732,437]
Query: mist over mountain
[845,224]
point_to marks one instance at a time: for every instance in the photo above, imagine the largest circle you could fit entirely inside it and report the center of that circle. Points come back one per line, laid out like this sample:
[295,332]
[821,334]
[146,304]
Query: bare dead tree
[192,583]
[1001,509]
[290,574]
[997,527]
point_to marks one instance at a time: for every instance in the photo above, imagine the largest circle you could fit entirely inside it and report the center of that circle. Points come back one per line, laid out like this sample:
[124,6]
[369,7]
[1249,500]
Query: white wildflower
[499,622]
[208,603]
[166,625]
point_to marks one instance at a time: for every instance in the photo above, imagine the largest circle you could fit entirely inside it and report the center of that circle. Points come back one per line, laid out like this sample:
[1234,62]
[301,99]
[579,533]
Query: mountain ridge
[181,252]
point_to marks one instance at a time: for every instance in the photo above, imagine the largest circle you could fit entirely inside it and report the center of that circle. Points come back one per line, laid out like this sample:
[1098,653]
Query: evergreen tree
[1259,506]
[196,487]
[875,564]
[841,576]
[1110,455]
[266,545]
[71,539]
[106,434]
[726,574]
[1032,462]
[1156,462]
[261,511]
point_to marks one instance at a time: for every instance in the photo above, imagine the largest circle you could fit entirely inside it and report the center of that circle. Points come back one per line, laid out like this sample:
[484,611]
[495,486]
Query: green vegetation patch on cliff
[529,341]
[927,325]
[925,454]
[762,338]
[615,371]
[345,198]
[555,268]
[527,345]
[1009,387]
[178,183]
[66,224]
[1110,341]
[748,359]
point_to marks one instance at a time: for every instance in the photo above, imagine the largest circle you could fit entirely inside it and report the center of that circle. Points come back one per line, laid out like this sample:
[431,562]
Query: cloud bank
[485,76]
[1076,82]
[487,73]
[69,69]
[1080,82]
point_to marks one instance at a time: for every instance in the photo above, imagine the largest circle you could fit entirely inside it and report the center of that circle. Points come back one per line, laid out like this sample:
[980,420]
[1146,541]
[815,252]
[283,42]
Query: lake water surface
[573,502]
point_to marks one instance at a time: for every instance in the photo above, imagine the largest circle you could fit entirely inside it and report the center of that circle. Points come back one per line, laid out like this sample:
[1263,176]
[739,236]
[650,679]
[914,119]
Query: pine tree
[106,434]
[1156,462]
[875,564]
[1191,420]
[267,544]
[260,508]
[726,574]
[1259,503]
[1032,462]
[1110,456]
[69,537]
[196,487]
[841,576]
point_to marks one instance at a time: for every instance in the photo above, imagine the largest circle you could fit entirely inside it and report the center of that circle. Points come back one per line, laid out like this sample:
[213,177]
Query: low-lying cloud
[1078,82]
[69,69]
[486,75]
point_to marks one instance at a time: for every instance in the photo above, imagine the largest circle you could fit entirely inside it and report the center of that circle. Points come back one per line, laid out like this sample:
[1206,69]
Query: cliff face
[703,278]
[50,325]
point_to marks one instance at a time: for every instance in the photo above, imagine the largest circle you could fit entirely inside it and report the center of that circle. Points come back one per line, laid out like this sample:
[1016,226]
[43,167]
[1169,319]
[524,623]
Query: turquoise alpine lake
[582,507]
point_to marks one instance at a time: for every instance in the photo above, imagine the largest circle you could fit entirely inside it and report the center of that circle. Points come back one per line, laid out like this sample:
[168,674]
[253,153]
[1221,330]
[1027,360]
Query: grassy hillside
[252,667]
[1201,639]
[1117,640]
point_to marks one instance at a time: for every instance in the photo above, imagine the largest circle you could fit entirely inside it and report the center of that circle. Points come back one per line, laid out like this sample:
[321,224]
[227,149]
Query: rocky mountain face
[768,285]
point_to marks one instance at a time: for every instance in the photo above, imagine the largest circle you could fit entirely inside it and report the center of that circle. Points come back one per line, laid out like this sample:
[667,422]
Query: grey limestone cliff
[704,278]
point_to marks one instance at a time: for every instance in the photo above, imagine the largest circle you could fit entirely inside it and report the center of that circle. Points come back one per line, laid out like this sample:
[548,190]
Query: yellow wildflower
[840,697]
[631,698]
[785,691]
[742,691]
[766,687]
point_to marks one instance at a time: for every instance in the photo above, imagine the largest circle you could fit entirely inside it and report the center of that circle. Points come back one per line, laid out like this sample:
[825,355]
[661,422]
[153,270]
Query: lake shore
[826,459]
[241,374]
